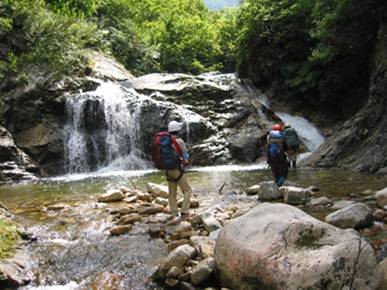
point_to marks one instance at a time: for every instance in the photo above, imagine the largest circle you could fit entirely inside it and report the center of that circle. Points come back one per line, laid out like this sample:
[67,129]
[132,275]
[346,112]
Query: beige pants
[172,188]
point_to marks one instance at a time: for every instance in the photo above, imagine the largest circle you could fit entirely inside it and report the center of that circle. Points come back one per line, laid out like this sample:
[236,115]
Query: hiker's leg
[172,189]
[186,189]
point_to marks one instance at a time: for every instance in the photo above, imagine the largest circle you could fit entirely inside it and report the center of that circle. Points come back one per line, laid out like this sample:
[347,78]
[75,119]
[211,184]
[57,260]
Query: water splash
[309,134]
[103,130]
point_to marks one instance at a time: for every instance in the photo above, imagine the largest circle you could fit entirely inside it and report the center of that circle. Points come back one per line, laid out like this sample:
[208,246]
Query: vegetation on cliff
[308,51]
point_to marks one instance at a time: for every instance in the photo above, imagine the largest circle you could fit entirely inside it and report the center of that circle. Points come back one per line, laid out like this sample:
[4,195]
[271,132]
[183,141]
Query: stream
[73,249]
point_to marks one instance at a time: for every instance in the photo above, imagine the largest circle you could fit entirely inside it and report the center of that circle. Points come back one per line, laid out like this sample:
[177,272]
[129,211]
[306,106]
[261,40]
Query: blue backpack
[274,147]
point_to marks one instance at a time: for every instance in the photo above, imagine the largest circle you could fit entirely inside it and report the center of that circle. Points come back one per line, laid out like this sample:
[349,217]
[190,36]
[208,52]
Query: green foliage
[308,50]
[8,238]
[53,41]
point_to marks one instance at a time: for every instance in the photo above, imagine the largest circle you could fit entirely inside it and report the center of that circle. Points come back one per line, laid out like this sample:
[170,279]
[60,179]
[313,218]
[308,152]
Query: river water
[73,246]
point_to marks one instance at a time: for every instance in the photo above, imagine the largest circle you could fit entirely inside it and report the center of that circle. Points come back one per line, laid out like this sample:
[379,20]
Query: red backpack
[166,151]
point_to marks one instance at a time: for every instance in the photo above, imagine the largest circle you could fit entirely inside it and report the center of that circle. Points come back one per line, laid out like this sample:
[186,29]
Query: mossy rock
[8,238]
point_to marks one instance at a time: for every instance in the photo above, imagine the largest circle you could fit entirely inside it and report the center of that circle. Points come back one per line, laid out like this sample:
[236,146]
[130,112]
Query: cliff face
[361,143]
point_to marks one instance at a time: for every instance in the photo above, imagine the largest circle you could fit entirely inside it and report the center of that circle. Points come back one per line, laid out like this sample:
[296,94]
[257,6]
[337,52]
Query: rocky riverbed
[82,241]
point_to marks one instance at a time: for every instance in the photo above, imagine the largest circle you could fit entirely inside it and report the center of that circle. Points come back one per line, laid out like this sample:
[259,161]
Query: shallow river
[73,246]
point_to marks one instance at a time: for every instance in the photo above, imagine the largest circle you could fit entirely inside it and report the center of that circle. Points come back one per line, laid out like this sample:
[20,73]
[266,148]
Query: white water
[309,134]
[120,149]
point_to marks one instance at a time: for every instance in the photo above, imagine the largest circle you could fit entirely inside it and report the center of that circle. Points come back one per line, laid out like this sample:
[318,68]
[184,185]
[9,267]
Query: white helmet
[174,126]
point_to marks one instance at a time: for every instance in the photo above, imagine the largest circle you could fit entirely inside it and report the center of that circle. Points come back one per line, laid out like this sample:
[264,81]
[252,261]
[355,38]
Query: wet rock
[129,219]
[203,245]
[352,216]
[313,188]
[157,190]
[144,196]
[186,286]
[177,258]
[277,246]
[342,203]
[112,195]
[174,272]
[156,232]
[194,203]
[381,197]
[268,191]
[367,192]
[383,268]
[156,208]
[174,244]
[253,189]
[202,271]
[295,195]
[126,210]
[119,230]
[130,199]
[161,201]
[171,282]
[379,214]
[323,200]
[196,220]
[210,223]
[14,270]
[124,189]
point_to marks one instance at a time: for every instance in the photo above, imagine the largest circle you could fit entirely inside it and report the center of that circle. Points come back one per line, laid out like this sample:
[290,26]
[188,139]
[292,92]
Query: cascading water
[102,130]
[309,134]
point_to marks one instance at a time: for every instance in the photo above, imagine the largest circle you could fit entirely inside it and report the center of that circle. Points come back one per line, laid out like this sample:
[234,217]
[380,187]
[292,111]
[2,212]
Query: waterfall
[102,130]
[309,134]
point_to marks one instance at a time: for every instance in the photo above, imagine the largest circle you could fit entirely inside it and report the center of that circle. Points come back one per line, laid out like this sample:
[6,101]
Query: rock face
[277,246]
[361,143]
[15,165]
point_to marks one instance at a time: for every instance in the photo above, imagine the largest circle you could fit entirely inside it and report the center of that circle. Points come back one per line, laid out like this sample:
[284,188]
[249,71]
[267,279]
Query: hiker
[276,158]
[171,154]
[292,143]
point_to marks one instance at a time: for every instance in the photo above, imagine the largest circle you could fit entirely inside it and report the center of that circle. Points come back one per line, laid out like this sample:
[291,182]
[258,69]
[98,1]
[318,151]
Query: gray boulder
[352,216]
[381,197]
[210,223]
[295,195]
[268,191]
[202,271]
[278,246]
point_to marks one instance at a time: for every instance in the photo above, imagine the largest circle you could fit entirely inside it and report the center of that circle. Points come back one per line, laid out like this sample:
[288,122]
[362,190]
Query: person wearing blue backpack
[276,158]
[170,154]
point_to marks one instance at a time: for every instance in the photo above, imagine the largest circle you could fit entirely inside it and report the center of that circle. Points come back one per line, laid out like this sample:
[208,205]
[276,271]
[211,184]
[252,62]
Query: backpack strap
[170,178]
[177,147]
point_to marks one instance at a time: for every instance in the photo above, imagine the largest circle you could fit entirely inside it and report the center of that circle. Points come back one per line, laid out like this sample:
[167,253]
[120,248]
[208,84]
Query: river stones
[129,219]
[352,216]
[381,197]
[383,268]
[202,271]
[177,258]
[342,203]
[253,189]
[268,191]
[203,245]
[112,195]
[153,209]
[157,190]
[295,195]
[119,230]
[194,203]
[278,246]
[210,223]
[320,201]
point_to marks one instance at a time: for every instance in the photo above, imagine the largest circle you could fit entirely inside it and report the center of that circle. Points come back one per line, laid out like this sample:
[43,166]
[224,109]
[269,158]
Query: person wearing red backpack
[171,154]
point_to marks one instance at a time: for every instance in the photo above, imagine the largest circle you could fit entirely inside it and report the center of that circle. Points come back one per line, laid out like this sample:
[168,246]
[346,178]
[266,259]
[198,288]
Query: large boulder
[278,246]
[352,216]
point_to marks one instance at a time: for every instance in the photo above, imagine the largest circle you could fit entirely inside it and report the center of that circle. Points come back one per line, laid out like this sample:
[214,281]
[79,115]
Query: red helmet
[276,127]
